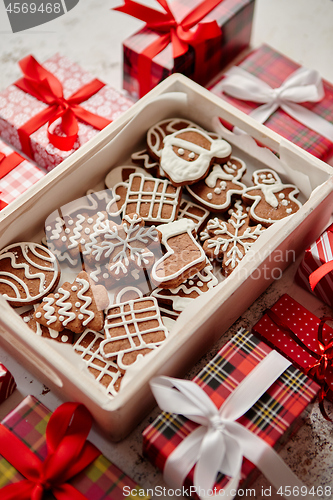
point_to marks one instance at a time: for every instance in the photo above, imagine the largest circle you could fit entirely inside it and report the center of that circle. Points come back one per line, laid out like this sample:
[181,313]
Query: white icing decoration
[281,196]
[56,295]
[49,310]
[284,202]
[217,191]
[64,338]
[65,307]
[77,304]
[55,233]
[67,231]
[38,315]
[48,228]
[26,319]
[209,196]
[80,316]
[181,151]
[191,155]
[74,288]
[61,318]
[289,210]
[186,212]
[106,276]
[70,222]
[90,220]
[126,290]
[76,232]
[87,301]
[87,230]
[156,132]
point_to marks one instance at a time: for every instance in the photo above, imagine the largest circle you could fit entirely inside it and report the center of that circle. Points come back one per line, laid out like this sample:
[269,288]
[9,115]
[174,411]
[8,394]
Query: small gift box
[315,273]
[292,101]
[244,401]
[7,383]
[194,37]
[16,174]
[43,452]
[55,108]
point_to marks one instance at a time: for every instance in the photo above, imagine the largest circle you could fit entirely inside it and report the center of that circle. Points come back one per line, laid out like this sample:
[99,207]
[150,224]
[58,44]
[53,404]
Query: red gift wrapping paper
[18,107]
[18,180]
[304,325]
[273,68]
[234,17]
[273,418]
[7,383]
[319,253]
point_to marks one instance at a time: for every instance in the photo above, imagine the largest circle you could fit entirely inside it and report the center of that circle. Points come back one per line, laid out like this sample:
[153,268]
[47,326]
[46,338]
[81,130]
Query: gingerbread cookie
[28,272]
[192,211]
[105,372]
[122,174]
[216,191]
[273,200]
[183,258]
[144,159]
[65,337]
[194,287]
[126,246]
[231,240]
[155,200]
[133,329]
[75,306]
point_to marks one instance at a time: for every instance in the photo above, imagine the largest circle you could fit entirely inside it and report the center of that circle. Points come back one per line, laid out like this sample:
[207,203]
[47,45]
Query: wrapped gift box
[16,174]
[274,68]
[18,108]
[234,17]
[304,325]
[272,418]
[100,480]
[7,383]
[318,254]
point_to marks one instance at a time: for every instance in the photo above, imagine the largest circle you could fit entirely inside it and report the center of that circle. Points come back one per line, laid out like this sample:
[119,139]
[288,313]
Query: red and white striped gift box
[7,383]
[319,253]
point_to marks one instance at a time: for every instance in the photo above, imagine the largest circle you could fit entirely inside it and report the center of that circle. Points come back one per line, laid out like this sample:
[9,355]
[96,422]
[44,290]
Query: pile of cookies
[143,249]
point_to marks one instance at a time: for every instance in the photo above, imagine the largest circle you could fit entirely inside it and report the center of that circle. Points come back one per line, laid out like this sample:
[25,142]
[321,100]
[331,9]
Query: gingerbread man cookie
[273,200]
[183,258]
[28,272]
[216,191]
[75,306]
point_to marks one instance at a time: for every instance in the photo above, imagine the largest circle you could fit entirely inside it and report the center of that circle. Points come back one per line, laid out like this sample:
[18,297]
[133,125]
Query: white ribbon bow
[304,85]
[220,443]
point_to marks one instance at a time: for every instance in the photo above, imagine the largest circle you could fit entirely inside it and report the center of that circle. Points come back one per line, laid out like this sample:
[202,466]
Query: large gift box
[73,469]
[194,37]
[303,338]
[292,101]
[315,272]
[55,108]
[7,383]
[16,174]
[271,410]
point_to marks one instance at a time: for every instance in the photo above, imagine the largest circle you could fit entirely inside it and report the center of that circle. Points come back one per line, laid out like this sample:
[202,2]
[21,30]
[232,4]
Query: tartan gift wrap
[7,383]
[74,95]
[274,68]
[16,174]
[319,254]
[289,314]
[101,480]
[233,17]
[272,418]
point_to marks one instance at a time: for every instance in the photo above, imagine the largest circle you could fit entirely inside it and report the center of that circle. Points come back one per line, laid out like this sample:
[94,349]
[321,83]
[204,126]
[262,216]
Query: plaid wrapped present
[295,332]
[273,69]
[55,108]
[318,259]
[100,480]
[16,174]
[199,60]
[7,383]
[273,417]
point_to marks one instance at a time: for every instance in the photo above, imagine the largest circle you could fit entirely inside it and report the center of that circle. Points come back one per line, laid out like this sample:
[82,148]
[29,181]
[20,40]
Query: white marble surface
[91,34]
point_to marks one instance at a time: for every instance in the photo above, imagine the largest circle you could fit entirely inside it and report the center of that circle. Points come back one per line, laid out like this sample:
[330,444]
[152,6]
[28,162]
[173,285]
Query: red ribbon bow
[319,370]
[179,34]
[40,83]
[68,454]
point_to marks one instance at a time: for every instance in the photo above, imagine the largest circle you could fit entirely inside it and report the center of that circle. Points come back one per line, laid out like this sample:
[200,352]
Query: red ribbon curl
[319,370]
[319,273]
[68,454]
[45,87]
[179,34]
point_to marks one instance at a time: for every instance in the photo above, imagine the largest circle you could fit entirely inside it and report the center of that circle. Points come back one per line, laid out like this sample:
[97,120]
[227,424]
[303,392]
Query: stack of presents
[218,430]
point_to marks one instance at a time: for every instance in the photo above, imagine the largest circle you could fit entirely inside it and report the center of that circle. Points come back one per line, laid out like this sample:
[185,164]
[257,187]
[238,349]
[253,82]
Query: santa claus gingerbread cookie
[270,199]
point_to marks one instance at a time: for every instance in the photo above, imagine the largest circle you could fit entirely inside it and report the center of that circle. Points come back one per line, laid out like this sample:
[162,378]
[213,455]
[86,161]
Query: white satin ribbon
[304,85]
[220,443]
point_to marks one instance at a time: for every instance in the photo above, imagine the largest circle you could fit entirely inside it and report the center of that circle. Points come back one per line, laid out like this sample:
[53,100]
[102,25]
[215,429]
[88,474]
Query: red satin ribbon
[319,273]
[3,204]
[40,83]
[319,369]
[170,31]
[68,454]
[8,163]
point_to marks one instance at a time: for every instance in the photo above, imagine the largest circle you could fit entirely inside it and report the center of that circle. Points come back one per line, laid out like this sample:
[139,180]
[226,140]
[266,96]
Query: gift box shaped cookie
[7,383]
[16,174]
[192,37]
[245,399]
[303,338]
[31,431]
[293,101]
[55,108]
[315,273]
